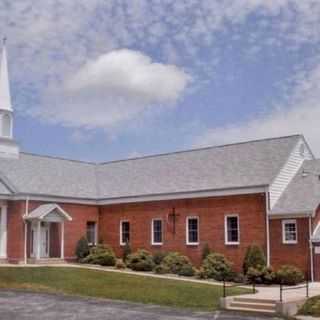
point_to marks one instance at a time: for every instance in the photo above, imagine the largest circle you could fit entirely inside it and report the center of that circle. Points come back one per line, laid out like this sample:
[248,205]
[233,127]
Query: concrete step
[46,261]
[253,305]
[255,300]
[263,311]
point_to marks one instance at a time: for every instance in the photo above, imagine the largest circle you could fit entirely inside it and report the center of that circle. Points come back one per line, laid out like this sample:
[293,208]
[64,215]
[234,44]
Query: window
[192,230]
[91,233]
[6,125]
[232,232]
[124,232]
[289,231]
[156,232]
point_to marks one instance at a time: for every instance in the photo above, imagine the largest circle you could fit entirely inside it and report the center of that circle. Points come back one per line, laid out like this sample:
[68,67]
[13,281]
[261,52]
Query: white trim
[311,250]
[289,221]
[123,243]
[62,240]
[226,241]
[152,232]
[3,230]
[95,232]
[187,231]
[267,195]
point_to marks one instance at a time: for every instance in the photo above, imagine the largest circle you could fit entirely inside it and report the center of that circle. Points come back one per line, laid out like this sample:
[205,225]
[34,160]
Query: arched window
[6,125]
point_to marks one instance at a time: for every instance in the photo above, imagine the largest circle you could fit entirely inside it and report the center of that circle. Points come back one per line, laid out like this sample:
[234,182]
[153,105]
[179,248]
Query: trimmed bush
[126,251]
[289,275]
[174,261]
[261,275]
[161,269]
[254,258]
[216,266]
[120,264]
[158,257]
[140,261]
[205,251]
[82,248]
[186,270]
[102,255]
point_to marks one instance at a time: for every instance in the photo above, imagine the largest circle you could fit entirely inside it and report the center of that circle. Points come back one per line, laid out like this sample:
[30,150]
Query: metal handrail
[225,286]
[282,289]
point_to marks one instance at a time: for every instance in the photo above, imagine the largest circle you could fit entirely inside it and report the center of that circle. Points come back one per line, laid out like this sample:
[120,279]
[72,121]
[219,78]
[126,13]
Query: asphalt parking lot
[41,306]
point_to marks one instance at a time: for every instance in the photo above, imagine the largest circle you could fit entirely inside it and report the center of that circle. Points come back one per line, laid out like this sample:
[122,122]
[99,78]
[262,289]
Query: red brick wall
[74,229]
[293,254]
[15,232]
[211,212]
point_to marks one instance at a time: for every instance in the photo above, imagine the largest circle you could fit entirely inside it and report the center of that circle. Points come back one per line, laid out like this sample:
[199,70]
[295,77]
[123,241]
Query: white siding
[288,171]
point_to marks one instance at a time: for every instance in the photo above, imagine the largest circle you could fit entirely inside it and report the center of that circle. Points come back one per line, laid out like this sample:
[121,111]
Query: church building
[264,192]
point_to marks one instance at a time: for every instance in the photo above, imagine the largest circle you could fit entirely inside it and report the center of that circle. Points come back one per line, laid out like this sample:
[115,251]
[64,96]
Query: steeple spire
[5,97]
[8,147]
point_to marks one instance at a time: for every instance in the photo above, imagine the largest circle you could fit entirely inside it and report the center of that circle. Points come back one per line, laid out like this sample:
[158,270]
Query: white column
[3,232]
[38,240]
[62,240]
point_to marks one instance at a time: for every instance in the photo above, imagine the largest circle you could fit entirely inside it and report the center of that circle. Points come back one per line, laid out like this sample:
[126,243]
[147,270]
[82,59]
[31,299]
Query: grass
[93,283]
[311,307]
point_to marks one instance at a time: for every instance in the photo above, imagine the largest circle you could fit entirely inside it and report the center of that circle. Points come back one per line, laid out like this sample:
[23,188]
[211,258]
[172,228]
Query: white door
[44,245]
[44,240]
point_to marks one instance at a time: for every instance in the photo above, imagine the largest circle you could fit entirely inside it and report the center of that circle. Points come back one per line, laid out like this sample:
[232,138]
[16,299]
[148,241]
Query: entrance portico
[44,230]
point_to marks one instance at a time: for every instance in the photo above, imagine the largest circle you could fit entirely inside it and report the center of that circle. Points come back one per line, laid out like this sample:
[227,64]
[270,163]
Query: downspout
[267,227]
[311,249]
[26,230]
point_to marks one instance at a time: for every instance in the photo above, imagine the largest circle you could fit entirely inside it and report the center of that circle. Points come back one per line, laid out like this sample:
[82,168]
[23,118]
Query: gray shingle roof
[247,164]
[50,176]
[43,210]
[303,193]
[239,165]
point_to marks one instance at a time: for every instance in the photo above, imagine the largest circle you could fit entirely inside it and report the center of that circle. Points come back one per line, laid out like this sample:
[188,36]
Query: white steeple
[8,147]
[5,98]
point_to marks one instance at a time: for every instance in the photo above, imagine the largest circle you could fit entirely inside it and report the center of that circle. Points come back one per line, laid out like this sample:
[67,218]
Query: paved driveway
[26,305]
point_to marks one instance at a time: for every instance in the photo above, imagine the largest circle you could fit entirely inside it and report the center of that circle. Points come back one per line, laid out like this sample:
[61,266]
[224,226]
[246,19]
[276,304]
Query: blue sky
[101,80]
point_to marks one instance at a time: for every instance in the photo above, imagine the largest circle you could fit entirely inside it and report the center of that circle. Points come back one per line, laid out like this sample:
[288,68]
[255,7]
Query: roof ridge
[200,149]
[58,158]
[161,154]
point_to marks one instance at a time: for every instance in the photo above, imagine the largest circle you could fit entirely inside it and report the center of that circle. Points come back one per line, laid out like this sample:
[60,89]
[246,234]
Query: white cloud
[300,116]
[113,89]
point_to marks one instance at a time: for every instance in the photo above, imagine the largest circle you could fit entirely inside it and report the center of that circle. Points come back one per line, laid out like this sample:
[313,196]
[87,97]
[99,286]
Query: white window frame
[123,243]
[226,241]
[187,231]
[154,243]
[95,233]
[284,223]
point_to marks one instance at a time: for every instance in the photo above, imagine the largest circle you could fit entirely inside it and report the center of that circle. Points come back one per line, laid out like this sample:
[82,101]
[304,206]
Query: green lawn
[111,285]
[311,307]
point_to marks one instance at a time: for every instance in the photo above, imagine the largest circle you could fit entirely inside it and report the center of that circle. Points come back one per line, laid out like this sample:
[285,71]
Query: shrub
[217,267]
[289,275]
[205,251]
[254,258]
[102,255]
[161,269]
[261,275]
[158,257]
[82,248]
[120,264]
[186,270]
[174,261]
[126,251]
[140,261]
